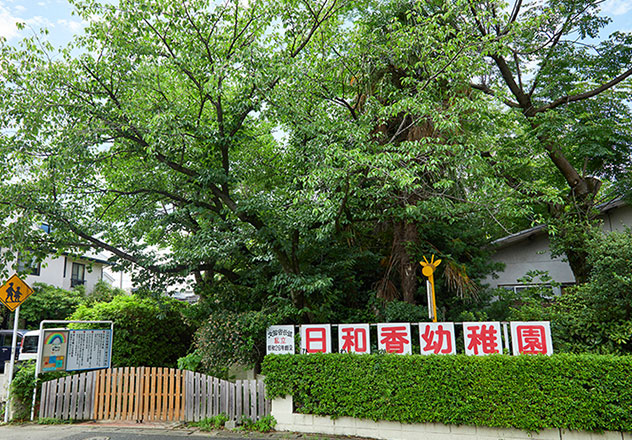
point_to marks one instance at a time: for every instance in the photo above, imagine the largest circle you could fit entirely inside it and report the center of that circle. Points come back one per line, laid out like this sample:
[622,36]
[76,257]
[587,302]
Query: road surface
[95,431]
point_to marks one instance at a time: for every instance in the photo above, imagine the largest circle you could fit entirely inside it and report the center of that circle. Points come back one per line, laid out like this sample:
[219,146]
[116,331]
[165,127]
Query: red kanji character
[487,339]
[354,337]
[276,341]
[531,339]
[315,337]
[394,339]
[429,336]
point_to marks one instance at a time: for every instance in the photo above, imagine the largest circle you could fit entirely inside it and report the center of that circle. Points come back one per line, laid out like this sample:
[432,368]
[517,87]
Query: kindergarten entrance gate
[151,394]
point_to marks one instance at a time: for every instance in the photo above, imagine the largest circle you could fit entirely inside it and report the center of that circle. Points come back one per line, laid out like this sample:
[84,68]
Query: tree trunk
[405,234]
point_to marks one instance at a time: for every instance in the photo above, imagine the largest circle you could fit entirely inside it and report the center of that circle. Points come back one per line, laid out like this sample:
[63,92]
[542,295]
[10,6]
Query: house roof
[539,229]
[96,258]
[518,236]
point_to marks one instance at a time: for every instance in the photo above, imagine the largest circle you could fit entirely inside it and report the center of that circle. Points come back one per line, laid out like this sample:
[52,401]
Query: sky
[56,16]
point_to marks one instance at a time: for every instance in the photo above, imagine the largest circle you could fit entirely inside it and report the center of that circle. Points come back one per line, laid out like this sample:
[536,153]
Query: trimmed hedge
[579,392]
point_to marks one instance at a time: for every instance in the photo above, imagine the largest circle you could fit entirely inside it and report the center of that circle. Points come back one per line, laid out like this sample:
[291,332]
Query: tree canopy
[306,154]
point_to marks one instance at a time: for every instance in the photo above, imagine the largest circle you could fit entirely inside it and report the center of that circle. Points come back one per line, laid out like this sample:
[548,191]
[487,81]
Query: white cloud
[616,7]
[72,25]
[38,22]
[8,28]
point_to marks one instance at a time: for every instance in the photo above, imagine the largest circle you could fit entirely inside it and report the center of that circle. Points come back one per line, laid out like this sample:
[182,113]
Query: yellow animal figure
[428,271]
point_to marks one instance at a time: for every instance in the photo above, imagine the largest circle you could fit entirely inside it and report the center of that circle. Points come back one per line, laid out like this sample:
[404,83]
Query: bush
[211,423]
[531,393]
[49,302]
[264,424]
[230,339]
[147,332]
[595,317]
[22,388]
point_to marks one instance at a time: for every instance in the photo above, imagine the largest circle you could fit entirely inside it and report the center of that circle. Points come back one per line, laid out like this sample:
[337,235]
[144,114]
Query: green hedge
[579,392]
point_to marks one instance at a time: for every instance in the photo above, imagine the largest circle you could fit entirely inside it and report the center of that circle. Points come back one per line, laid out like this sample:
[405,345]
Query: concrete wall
[527,255]
[287,420]
[618,218]
[532,253]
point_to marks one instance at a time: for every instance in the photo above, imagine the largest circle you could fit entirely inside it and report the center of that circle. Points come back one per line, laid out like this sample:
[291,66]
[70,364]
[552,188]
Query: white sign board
[482,338]
[89,349]
[354,338]
[280,339]
[316,338]
[394,337]
[437,338]
[532,337]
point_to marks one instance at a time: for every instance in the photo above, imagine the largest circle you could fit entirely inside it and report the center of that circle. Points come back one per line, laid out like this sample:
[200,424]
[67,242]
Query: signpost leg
[14,344]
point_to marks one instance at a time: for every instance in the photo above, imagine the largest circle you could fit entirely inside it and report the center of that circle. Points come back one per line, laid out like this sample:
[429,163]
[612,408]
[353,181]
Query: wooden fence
[151,394]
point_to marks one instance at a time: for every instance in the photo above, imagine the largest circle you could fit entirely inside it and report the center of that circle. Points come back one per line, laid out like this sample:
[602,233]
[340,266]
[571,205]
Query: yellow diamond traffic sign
[14,292]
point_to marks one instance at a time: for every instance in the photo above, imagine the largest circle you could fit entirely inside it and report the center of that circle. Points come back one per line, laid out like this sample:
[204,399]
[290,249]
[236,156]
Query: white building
[528,250]
[66,271]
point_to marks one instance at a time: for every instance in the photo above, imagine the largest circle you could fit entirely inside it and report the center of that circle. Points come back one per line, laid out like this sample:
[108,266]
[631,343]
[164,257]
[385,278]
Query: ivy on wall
[578,392]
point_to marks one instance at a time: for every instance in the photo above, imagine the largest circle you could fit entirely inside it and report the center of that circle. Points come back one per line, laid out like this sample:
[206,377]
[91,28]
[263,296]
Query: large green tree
[568,88]
[149,137]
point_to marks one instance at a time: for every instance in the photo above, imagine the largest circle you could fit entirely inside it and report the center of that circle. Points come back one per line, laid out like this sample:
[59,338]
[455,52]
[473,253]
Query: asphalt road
[105,432]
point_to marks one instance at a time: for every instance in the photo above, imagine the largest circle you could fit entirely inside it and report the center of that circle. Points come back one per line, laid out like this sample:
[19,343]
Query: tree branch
[581,96]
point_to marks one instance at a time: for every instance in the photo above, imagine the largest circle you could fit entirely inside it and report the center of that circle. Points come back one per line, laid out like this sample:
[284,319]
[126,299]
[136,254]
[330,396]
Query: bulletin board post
[40,349]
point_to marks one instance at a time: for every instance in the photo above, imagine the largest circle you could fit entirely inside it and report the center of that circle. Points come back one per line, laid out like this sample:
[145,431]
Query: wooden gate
[151,394]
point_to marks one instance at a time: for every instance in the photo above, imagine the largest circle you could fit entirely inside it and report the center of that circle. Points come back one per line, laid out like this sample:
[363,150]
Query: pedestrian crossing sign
[14,292]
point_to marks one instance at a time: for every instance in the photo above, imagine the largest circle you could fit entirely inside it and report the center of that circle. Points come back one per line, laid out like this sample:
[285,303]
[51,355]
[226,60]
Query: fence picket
[89,395]
[72,398]
[151,394]
[178,401]
[253,400]
[204,397]
[43,398]
[52,398]
[261,399]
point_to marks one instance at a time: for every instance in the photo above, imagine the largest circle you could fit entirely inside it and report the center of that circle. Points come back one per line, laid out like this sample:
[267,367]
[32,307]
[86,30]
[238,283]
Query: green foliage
[400,311]
[595,317]
[211,423]
[103,292]
[234,339]
[264,424]
[22,388]
[191,362]
[578,392]
[147,332]
[53,421]
[49,302]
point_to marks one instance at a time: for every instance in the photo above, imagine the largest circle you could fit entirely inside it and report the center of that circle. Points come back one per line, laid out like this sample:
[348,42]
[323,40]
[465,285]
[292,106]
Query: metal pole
[429,295]
[434,302]
[12,362]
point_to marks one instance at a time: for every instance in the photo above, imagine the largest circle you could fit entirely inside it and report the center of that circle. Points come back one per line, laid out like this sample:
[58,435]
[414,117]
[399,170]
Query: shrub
[230,339]
[594,317]
[49,302]
[147,332]
[22,388]
[578,392]
[264,424]
[211,423]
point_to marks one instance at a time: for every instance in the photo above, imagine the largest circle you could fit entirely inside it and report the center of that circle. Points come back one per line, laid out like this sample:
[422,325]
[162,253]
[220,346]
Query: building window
[78,275]
[519,288]
[28,264]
